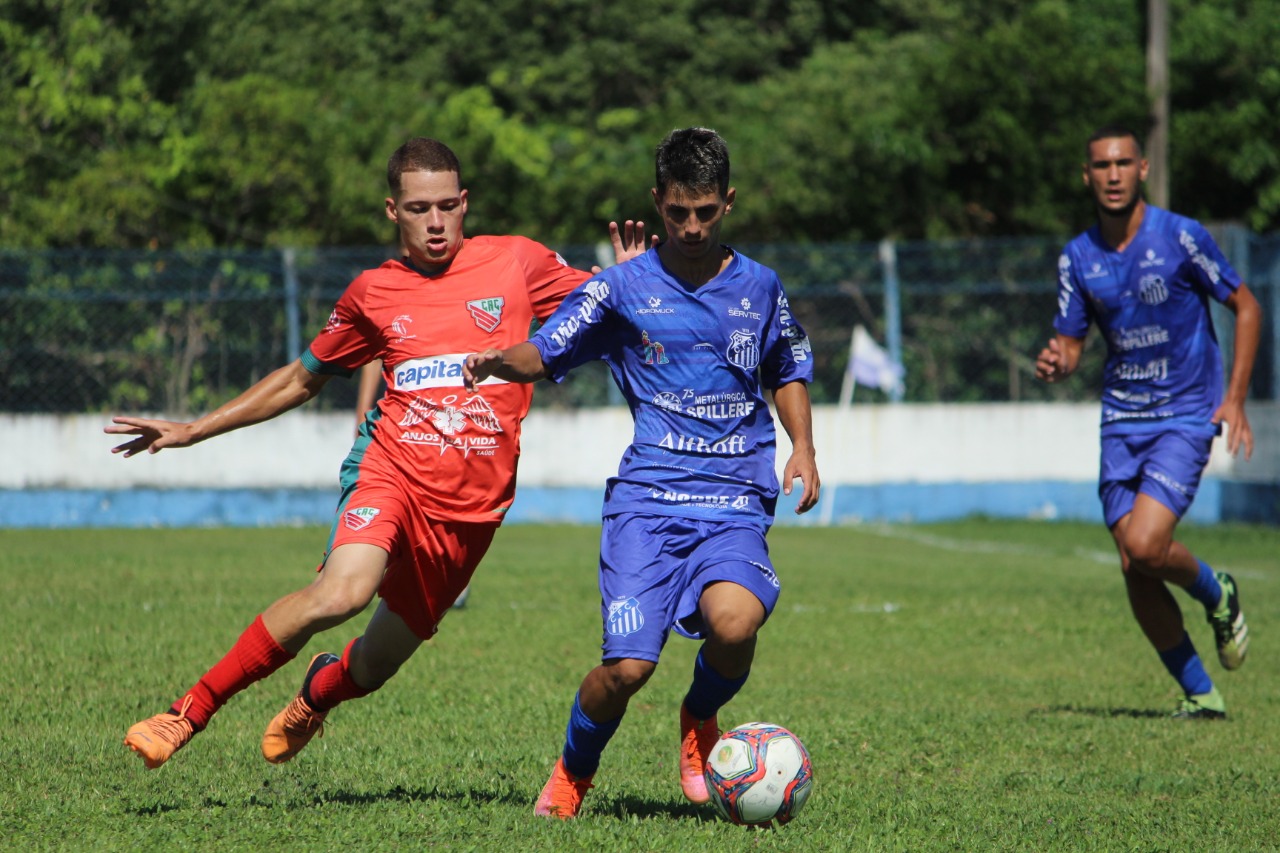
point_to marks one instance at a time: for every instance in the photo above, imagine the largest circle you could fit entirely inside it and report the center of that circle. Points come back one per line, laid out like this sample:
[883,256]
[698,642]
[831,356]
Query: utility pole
[1158,92]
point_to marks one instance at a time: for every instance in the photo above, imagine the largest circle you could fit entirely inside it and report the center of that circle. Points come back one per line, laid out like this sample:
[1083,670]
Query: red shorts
[429,562]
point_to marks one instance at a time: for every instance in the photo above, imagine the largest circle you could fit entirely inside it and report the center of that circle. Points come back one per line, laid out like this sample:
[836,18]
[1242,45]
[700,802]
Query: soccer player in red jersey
[433,467]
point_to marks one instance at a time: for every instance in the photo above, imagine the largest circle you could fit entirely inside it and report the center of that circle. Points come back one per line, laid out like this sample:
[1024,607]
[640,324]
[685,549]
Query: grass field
[972,686]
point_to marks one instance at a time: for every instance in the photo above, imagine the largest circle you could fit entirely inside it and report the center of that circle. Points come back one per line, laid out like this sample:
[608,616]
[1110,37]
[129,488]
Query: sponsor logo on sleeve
[1201,260]
[1064,284]
[799,343]
[596,291]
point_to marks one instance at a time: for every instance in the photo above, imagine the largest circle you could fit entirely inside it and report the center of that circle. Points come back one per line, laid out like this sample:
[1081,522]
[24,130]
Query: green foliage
[968,686]
[178,123]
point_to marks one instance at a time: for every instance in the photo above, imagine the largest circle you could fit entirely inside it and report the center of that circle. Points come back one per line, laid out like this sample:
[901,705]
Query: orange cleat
[697,739]
[157,738]
[562,795]
[292,729]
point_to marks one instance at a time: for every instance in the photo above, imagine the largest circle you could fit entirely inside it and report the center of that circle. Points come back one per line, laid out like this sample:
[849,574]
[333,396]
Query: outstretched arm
[278,392]
[1059,359]
[520,363]
[1248,330]
[796,415]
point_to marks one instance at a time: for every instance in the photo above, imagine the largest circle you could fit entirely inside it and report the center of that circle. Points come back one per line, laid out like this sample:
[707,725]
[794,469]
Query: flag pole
[844,411]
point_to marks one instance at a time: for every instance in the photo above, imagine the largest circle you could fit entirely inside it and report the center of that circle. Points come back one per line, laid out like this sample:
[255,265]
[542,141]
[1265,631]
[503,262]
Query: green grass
[971,686]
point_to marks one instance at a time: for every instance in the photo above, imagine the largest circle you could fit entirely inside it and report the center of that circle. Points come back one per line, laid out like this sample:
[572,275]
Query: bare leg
[1150,557]
[387,643]
[343,588]
[733,616]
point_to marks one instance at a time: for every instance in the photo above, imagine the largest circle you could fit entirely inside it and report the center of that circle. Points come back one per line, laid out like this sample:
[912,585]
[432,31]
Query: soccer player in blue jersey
[693,332]
[1145,276]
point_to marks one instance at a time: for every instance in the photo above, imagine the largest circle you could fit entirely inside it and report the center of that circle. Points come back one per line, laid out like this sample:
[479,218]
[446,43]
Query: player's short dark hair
[421,155]
[695,159]
[1112,131]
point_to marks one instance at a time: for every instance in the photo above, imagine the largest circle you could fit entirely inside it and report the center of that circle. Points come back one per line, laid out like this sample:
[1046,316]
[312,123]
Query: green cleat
[1229,628]
[1202,706]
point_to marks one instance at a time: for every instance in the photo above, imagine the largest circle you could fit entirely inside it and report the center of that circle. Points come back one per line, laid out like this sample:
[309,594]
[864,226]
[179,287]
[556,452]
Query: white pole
[844,417]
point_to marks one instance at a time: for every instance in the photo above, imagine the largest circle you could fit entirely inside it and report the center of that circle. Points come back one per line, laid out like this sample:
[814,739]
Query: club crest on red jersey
[359,518]
[487,312]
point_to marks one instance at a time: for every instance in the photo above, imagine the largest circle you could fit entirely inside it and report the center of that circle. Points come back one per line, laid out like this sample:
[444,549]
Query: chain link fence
[180,332]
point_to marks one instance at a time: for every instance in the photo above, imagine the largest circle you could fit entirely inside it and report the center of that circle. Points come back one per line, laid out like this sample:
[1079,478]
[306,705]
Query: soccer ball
[759,773]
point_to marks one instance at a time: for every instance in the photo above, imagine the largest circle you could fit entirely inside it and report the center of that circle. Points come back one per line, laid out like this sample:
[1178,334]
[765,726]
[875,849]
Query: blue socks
[1186,668]
[585,740]
[710,691]
[1206,589]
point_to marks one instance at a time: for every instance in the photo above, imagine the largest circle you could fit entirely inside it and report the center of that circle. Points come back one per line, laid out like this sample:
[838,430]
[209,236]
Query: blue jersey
[691,363]
[1151,303]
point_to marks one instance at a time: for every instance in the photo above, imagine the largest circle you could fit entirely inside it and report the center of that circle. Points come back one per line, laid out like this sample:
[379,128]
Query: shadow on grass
[396,794]
[1132,713]
[624,808]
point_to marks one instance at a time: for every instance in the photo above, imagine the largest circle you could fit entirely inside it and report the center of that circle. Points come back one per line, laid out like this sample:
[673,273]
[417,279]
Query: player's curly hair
[694,159]
[421,155]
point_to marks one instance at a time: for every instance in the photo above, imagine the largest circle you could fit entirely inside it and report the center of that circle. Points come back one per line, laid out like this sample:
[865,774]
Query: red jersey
[454,452]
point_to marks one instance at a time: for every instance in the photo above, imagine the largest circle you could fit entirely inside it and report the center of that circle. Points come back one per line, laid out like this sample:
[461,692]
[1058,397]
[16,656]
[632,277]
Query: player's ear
[729,197]
[391,210]
[463,195]
[657,200]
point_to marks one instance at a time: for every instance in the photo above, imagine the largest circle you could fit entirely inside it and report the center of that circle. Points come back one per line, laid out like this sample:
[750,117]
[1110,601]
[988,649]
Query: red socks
[254,656]
[334,684]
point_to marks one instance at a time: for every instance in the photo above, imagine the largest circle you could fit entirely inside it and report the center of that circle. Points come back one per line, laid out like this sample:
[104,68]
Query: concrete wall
[882,462]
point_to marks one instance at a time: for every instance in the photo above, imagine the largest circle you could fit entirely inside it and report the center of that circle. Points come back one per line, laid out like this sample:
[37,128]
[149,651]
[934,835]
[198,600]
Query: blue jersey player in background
[1145,276]
[693,332]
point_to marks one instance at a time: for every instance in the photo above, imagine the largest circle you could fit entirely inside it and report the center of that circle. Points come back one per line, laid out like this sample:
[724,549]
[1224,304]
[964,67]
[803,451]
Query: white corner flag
[871,365]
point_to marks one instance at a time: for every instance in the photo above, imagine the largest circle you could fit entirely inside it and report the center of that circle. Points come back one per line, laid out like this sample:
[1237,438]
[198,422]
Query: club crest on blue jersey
[744,349]
[654,352]
[487,312]
[624,617]
[1151,289]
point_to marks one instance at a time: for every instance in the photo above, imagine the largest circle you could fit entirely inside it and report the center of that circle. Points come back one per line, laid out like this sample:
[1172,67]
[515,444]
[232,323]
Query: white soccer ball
[759,773]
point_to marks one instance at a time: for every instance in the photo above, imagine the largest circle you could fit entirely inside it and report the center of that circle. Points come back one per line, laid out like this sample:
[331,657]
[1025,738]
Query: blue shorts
[653,569]
[1164,465]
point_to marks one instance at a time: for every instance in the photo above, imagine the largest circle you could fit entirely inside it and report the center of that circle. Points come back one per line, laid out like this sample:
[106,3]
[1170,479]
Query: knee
[733,629]
[1145,554]
[625,676]
[335,603]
